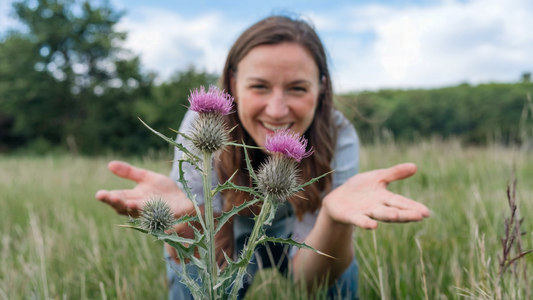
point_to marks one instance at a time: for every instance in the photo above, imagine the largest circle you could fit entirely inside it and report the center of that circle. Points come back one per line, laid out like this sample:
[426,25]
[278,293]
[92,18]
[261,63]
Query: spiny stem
[209,222]
[250,246]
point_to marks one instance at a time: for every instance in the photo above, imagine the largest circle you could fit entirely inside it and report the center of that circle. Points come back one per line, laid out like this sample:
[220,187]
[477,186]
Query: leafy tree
[66,80]
[169,103]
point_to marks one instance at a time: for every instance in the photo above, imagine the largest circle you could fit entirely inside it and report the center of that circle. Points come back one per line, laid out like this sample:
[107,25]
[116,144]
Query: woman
[277,73]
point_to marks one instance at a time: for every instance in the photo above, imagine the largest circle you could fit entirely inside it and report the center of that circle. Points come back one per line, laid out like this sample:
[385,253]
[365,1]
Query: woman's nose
[277,105]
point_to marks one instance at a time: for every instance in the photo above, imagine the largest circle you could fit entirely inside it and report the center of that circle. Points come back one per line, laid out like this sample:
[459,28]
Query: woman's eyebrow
[301,81]
[298,81]
[256,79]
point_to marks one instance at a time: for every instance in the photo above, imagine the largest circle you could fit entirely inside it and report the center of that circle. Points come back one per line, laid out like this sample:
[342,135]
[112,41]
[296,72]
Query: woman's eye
[258,86]
[298,89]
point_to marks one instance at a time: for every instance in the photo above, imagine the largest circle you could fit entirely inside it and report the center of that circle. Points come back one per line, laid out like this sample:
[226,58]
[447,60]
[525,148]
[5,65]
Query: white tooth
[274,128]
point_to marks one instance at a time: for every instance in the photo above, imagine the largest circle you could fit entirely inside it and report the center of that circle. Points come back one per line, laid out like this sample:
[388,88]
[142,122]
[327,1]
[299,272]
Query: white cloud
[371,46]
[444,44]
[168,42]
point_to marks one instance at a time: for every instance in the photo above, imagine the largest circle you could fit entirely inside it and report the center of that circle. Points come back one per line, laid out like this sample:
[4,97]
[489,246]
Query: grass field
[57,241]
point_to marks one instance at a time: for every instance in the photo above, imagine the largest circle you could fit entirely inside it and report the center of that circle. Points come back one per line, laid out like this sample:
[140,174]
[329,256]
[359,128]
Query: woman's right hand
[130,201]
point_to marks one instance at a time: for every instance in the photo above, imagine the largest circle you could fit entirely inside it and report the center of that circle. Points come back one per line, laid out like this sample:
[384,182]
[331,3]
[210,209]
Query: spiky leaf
[248,163]
[228,185]
[195,289]
[301,187]
[291,242]
[236,209]
[185,219]
[242,145]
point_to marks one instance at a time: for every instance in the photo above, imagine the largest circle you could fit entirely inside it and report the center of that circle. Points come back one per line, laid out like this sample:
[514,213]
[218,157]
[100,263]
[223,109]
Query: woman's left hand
[364,199]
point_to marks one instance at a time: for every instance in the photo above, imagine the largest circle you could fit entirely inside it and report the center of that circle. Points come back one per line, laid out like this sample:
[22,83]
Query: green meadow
[58,242]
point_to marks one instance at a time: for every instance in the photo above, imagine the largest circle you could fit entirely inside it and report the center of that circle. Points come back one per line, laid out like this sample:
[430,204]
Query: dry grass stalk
[511,241]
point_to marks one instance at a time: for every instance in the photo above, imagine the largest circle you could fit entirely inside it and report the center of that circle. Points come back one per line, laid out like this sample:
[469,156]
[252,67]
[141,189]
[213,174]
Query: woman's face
[276,87]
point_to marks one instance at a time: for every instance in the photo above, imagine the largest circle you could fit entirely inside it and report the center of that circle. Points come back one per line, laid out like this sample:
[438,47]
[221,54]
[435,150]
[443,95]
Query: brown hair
[321,133]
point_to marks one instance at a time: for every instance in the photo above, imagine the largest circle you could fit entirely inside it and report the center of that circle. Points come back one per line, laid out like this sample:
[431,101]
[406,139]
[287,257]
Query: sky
[398,44]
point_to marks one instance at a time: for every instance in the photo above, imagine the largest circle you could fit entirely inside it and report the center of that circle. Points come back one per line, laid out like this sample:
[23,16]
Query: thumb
[398,172]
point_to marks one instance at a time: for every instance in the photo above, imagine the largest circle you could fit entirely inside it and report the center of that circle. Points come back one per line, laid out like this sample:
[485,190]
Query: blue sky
[371,44]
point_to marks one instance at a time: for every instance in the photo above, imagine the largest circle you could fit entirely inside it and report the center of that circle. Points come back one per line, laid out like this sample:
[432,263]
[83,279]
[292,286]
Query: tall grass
[57,241]
[466,191]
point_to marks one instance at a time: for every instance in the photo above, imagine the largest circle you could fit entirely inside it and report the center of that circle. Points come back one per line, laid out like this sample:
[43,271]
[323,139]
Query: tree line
[66,84]
[477,115]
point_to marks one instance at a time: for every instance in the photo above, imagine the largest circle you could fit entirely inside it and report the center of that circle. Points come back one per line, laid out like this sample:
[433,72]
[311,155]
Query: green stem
[380,271]
[209,222]
[250,246]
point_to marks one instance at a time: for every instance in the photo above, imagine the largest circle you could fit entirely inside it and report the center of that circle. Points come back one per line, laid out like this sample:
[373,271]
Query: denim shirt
[345,163]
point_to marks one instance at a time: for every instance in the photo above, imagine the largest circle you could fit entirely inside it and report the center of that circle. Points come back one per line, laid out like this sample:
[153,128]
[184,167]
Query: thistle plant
[276,180]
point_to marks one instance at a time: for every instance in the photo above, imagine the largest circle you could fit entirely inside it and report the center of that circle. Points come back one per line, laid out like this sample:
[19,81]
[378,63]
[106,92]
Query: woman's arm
[361,201]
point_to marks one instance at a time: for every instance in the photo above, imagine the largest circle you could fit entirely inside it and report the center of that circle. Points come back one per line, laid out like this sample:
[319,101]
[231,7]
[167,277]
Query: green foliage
[66,82]
[484,113]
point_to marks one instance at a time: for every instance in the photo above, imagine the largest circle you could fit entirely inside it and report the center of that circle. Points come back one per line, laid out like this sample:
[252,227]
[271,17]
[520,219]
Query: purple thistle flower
[213,100]
[289,144]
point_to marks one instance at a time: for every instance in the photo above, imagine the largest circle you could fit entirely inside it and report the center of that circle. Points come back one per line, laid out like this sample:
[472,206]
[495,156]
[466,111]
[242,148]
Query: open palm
[364,199]
[130,201]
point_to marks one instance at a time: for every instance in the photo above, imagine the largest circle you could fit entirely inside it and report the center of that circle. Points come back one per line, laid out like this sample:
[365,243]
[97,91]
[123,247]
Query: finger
[398,172]
[117,199]
[127,171]
[363,221]
[114,195]
[401,202]
[389,214]
[118,205]
[101,194]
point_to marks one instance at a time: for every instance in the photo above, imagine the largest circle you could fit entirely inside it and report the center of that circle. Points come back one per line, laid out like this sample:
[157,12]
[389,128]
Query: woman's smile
[274,127]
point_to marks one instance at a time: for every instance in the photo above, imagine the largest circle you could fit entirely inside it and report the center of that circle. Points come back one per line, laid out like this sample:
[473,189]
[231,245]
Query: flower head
[214,100]
[156,215]
[209,132]
[289,144]
[278,178]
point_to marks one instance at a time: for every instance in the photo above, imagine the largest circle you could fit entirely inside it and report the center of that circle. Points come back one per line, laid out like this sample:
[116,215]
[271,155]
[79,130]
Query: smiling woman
[278,75]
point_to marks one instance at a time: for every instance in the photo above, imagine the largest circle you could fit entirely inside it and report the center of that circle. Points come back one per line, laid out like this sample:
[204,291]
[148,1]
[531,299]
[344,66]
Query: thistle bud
[278,177]
[209,131]
[156,215]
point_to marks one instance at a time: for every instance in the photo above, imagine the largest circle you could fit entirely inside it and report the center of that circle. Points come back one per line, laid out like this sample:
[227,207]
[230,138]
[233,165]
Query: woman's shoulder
[345,130]
[346,158]
[339,120]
